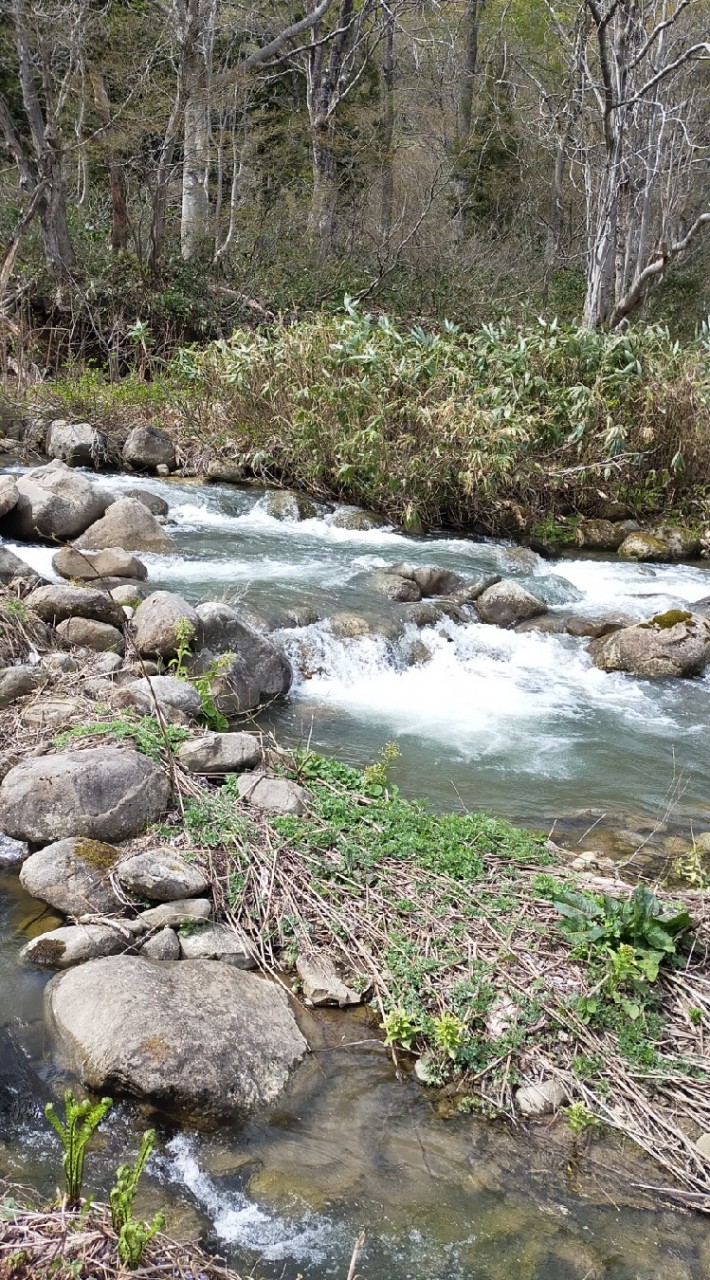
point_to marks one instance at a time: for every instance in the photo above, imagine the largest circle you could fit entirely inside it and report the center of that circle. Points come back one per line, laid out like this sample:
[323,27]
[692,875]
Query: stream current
[518,723]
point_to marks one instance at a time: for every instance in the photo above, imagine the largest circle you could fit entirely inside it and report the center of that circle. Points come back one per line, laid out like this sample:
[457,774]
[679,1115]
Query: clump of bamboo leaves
[81,1119]
[133,1235]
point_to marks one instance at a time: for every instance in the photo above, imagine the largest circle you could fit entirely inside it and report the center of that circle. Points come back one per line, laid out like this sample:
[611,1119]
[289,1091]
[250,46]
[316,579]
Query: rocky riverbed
[119,653]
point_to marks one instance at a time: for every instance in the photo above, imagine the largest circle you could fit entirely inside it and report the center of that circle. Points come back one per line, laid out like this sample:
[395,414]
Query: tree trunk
[116,172]
[195,219]
[472,19]
[387,126]
[324,195]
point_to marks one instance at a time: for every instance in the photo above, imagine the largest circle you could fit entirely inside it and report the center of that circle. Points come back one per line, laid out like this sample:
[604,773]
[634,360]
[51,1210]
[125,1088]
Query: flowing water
[518,723]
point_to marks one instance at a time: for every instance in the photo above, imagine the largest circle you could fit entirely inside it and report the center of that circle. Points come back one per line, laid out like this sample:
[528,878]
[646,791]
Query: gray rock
[172,914]
[17,682]
[130,593]
[221,753]
[73,944]
[114,562]
[507,603]
[225,472]
[59,663]
[393,587]
[578,625]
[73,876]
[76,443]
[599,535]
[218,942]
[540,1099]
[105,793]
[160,875]
[108,664]
[666,543]
[255,672]
[167,691]
[676,643]
[8,495]
[357,520]
[273,795]
[55,604]
[130,525]
[197,1036]
[162,469]
[163,945]
[347,626]
[53,713]
[286,504]
[8,760]
[11,566]
[524,559]
[54,502]
[88,634]
[474,588]
[321,982]
[147,448]
[155,504]
[159,621]
[12,853]
[430,580]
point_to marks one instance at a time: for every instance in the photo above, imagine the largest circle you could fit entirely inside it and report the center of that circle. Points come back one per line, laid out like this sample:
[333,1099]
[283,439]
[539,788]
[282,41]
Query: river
[518,723]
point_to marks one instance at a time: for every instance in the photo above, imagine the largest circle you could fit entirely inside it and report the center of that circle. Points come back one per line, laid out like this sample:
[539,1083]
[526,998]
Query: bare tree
[637,139]
[46,54]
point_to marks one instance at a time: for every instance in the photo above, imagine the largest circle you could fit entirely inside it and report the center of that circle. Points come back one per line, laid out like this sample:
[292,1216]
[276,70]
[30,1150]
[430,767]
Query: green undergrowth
[145,733]
[481,953]
[498,428]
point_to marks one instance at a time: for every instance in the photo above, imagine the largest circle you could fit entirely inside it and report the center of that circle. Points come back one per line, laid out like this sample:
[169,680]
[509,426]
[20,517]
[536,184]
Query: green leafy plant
[691,868]
[400,1029]
[145,733]
[448,1034]
[133,1235]
[375,775]
[579,1119]
[184,636]
[81,1119]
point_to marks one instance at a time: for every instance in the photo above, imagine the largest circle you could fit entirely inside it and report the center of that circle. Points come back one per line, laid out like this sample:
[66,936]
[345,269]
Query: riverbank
[505,431]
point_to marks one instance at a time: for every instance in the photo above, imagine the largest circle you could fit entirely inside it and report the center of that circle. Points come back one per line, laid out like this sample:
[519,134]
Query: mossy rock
[671,618]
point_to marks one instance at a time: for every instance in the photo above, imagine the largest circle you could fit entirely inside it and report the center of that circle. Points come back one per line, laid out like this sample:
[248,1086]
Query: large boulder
[104,793]
[225,472]
[431,580]
[219,753]
[87,634]
[73,876]
[148,448]
[55,603]
[676,643]
[599,535]
[273,795]
[12,567]
[506,603]
[250,670]
[356,520]
[76,443]
[114,562]
[155,504]
[8,495]
[394,586]
[196,1036]
[54,503]
[130,525]
[162,623]
[666,543]
[161,875]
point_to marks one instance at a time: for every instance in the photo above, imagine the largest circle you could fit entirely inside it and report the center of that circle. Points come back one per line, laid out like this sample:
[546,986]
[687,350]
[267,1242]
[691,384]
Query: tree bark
[116,171]
[387,124]
[195,218]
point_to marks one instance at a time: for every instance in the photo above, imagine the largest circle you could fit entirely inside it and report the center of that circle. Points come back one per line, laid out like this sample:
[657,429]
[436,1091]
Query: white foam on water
[484,691]
[37,557]
[239,1222]
[609,585]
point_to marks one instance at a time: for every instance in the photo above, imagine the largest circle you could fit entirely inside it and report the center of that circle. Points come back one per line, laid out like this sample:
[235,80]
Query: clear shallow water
[519,723]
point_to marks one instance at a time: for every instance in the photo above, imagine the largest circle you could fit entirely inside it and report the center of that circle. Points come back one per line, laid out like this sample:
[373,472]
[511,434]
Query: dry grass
[39,1243]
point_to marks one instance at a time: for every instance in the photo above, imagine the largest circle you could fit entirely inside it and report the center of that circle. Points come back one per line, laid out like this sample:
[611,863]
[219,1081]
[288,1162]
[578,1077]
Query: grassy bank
[505,429]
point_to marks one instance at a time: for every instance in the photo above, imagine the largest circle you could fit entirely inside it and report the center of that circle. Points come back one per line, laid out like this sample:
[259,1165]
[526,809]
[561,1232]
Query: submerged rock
[105,793]
[127,524]
[393,586]
[507,603]
[676,643]
[286,504]
[196,1036]
[357,520]
[148,448]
